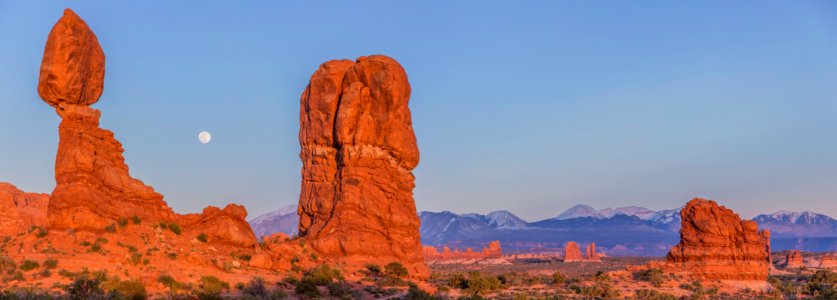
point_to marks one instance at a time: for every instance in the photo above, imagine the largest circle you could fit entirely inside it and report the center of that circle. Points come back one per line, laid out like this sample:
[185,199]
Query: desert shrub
[396,269]
[558,278]
[415,293]
[601,289]
[278,294]
[85,288]
[174,227]
[457,280]
[172,255]
[307,289]
[136,220]
[290,279]
[40,231]
[203,237]
[129,289]
[7,264]
[256,289]
[342,290]
[211,287]
[122,222]
[653,295]
[322,275]
[135,258]
[653,276]
[110,228]
[373,268]
[480,284]
[170,282]
[50,263]
[823,284]
[29,265]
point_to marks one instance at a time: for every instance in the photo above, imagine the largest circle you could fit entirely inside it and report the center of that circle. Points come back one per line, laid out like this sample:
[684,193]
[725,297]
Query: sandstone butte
[572,253]
[715,243]
[794,260]
[493,250]
[828,261]
[99,218]
[358,152]
[591,254]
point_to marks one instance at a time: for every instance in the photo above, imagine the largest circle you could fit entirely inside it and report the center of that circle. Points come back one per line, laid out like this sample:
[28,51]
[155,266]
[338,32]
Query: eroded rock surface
[493,250]
[19,210]
[73,67]
[358,153]
[794,260]
[715,243]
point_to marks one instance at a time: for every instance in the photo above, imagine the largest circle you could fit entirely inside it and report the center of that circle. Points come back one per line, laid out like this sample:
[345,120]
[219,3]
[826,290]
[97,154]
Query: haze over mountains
[623,231]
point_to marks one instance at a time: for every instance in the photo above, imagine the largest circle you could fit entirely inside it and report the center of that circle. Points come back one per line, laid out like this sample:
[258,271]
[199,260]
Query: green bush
[211,287]
[256,289]
[123,222]
[342,290]
[7,265]
[415,293]
[322,275]
[170,282]
[136,220]
[50,263]
[110,228]
[654,276]
[396,269]
[40,232]
[458,281]
[174,227]
[307,289]
[653,295]
[823,282]
[479,284]
[85,288]
[203,238]
[558,278]
[373,268]
[129,289]
[29,265]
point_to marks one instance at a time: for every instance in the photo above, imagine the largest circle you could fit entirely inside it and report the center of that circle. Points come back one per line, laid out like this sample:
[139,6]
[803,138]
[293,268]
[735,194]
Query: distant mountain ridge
[623,231]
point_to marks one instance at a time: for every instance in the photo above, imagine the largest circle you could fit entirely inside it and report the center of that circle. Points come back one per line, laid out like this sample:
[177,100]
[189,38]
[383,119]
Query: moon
[204,137]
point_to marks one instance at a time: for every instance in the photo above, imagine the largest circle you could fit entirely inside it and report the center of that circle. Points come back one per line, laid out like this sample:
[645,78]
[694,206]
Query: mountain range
[623,231]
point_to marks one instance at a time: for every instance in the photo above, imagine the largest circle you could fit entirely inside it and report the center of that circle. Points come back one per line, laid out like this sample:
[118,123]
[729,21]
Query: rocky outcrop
[716,244]
[572,253]
[590,253]
[794,260]
[20,211]
[493,250]
[828,261]
[226,225]
[358,152]
[73,67]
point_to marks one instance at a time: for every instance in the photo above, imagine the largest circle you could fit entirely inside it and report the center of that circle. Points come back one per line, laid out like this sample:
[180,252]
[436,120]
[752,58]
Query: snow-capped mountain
[797,224]
[582,210]
[504,219]
[284,220]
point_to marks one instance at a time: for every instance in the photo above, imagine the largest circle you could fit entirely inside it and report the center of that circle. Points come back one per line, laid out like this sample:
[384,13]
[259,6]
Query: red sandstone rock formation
[358,153]
[20,211]
[794,260]
[493,250]
[828,260]
[94,188]
[591,254]
[572,253]
[73,67]
[716,244]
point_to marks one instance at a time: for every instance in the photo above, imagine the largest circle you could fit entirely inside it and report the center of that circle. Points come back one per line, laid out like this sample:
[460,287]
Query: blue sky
[530,106]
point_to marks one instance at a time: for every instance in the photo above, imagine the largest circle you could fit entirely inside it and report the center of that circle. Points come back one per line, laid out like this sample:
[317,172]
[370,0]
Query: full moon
[204,137]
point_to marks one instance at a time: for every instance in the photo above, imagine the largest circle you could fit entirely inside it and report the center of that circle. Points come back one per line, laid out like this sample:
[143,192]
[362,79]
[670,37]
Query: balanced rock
[73,67]
[715,243]
[572,253]
[226,225]
[794,260]
[20,211]
[358,152]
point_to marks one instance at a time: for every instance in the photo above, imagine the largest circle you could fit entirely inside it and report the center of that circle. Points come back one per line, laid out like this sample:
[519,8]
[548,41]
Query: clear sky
[529,106]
